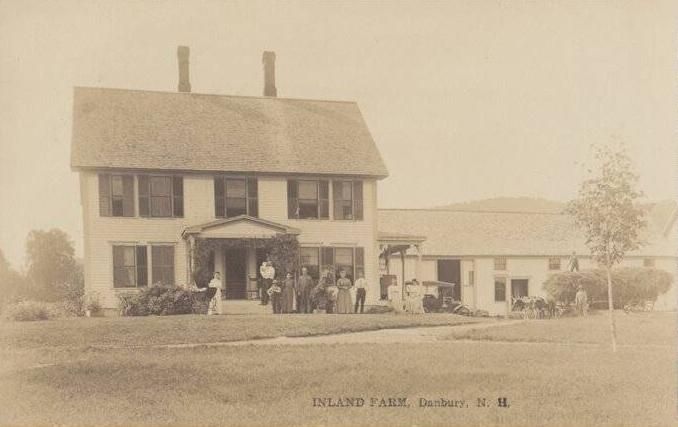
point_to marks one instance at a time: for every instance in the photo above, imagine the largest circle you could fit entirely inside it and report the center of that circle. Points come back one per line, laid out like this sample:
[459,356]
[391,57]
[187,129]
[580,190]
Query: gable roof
[115,128]
[479,233]
[257,223]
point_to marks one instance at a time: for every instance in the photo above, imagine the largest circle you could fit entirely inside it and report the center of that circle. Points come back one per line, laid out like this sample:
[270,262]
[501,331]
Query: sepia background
[466,99]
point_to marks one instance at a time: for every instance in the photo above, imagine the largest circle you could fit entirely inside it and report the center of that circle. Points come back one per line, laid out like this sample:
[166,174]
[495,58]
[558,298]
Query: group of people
[304,295]
[413,300]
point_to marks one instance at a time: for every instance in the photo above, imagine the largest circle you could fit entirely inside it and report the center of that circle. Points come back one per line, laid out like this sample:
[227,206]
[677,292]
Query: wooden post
[402,262]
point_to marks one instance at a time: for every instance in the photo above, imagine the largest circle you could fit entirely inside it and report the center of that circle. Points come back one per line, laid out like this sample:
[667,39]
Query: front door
[236,273]
[449,270]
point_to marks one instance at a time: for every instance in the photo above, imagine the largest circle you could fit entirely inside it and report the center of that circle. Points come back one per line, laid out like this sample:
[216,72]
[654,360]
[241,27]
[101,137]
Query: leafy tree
[52,267]
[283,251]
[12,283]
[607,211]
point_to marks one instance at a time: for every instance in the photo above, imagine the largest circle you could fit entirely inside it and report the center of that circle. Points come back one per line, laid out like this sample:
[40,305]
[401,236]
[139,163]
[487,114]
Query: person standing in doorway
[287,295]
[361,292]
[215,306]
[573,263]
[268,274]
[304,292]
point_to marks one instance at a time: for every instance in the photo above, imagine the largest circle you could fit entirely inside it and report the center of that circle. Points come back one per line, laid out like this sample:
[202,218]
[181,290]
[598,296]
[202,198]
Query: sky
[466,100]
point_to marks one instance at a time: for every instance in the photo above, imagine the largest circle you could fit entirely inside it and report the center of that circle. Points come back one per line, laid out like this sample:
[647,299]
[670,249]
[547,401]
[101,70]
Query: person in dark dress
[287,295]
[304,287]
[344,285]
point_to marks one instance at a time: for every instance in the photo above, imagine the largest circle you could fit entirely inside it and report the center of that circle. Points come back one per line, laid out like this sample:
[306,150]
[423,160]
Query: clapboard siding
[100,233]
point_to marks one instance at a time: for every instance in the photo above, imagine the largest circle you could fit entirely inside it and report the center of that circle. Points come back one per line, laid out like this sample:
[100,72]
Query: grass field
[546,381]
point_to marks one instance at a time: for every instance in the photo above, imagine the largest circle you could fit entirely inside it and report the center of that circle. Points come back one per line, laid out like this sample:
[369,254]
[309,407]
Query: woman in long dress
[215,303]
[287,294]
[416,297]
[344,303]
[395,296]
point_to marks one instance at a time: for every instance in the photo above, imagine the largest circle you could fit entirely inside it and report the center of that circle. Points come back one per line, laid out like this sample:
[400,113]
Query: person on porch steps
[215,302]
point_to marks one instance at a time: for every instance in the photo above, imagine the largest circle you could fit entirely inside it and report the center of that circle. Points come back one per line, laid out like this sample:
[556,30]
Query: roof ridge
[216,94]
[473,211]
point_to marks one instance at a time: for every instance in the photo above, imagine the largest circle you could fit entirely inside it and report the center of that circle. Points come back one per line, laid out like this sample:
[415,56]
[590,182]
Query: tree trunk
[613,327]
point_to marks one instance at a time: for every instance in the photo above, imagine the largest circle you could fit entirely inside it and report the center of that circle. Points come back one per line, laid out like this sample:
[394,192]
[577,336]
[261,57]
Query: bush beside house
[629,284]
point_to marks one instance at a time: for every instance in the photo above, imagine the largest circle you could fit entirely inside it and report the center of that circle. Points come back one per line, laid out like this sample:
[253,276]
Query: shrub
[628,284]
[157,300]
[31,310]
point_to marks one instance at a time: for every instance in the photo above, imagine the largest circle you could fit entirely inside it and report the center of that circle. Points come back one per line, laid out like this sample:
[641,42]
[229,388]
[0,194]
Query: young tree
[51,263]
[608,213]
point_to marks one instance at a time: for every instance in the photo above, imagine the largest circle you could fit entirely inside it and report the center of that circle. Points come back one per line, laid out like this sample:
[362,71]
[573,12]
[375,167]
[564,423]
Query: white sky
[466,99]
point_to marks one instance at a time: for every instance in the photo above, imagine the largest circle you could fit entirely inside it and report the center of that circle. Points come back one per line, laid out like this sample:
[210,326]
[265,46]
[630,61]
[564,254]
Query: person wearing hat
[581,301]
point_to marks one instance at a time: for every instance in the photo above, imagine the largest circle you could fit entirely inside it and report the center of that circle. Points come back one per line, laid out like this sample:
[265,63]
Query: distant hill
[508,204]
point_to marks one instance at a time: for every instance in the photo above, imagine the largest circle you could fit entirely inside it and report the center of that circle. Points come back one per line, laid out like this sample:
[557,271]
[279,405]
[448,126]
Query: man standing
[573,264]
[267,272]
[304,286]
[581,301]
[361,291]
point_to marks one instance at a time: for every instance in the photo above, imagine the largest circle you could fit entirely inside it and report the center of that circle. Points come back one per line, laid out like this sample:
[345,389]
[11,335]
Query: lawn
[545,383]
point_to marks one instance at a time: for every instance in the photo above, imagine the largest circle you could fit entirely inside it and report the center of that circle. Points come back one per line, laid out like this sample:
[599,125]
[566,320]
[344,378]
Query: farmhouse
[162,173]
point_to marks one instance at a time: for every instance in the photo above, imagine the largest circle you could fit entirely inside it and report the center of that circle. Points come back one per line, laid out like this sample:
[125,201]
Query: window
[348,199]
[554,263]
[116,195]
[161,196]
[308,199]
[499,289]
[162,261]
[471,277]
[500,263]
[648,262]
[332,259]
[235,196]
[310,258]
[129,266]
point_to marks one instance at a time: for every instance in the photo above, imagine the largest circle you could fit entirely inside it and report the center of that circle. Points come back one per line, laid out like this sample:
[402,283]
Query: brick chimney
[184,78]
[268,60]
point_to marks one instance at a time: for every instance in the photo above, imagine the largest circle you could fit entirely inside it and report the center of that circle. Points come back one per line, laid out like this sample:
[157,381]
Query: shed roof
[115,128]
[478,233]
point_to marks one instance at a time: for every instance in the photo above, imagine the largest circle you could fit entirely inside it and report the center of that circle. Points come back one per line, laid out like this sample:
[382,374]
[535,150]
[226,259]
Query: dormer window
[235,196]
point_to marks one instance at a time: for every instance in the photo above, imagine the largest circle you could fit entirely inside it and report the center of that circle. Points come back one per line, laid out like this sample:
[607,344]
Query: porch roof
[239,227]
[399,238]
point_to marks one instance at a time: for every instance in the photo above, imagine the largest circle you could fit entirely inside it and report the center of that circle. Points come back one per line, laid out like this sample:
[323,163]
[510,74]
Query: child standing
[274,293]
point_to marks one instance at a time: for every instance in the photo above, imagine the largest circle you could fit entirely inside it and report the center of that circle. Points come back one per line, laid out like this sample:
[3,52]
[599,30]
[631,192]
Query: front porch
[235,247]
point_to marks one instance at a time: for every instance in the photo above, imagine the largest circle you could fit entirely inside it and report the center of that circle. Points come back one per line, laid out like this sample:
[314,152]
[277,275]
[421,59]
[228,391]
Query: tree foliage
[283,251]
[12,283]
[606,208]
[630,284]
[52,268]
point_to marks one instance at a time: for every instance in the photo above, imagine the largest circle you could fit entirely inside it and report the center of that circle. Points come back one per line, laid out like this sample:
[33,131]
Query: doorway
[235,263]
[449,270]
[519,288]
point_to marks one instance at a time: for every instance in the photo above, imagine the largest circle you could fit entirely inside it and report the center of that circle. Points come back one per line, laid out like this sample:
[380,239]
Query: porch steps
[245,307]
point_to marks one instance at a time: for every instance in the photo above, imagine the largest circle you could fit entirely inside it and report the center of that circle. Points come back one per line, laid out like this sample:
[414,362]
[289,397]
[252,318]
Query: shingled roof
[115,128]
[469,233]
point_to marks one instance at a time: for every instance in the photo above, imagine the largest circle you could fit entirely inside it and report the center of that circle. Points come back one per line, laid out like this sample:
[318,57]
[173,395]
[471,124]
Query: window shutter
[219,193]
[358,200]
[142,266]
[324,199]
[292,199]
[104,194]
[144,196]
[336,198]
[359,262]
[127,195]
[252,197]
[178,196]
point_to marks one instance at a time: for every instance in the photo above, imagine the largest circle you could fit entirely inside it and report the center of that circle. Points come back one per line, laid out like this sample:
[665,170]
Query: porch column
[418,266]
[190,263]
[402,262]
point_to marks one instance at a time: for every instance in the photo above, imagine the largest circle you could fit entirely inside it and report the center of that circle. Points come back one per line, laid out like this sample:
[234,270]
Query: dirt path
[381,336]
